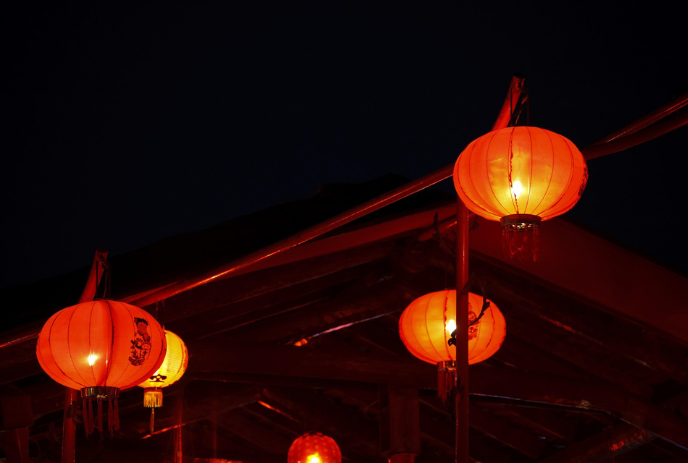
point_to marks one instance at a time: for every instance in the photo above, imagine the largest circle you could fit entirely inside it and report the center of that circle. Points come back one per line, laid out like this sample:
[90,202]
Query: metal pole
[69,426]
[647,120]
[461,397]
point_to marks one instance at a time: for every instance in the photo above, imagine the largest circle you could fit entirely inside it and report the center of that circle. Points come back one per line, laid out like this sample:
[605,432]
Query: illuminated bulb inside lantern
[313,458]
[517,189]
[451,326]
[92,359]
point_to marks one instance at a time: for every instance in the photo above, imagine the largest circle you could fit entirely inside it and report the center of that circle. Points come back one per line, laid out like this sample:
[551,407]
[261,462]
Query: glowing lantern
[427,324]
[101,347]
[171,370]
[314,448]
[520,176]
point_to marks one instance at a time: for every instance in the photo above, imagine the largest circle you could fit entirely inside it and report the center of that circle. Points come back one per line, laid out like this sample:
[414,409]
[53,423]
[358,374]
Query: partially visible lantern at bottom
[427,324]
[101,347]
[314,448]
[171,370]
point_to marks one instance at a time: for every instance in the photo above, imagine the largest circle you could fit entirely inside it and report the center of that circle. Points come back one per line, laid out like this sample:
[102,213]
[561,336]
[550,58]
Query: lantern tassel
[152,421]
[90,416]
[111,421]
[446,379]
[116,415]
[100,415]
[521,236]
[84,414]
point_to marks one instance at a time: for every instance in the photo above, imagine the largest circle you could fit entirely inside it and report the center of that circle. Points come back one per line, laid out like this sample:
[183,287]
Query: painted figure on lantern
[141,344]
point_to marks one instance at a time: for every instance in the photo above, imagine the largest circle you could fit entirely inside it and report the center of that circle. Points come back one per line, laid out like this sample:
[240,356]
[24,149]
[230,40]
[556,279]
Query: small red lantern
[520,176]
[314,448]
[101,347]
[428,322]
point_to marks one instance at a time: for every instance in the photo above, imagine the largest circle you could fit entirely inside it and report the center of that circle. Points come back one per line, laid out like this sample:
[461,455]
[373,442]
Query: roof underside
[593,365]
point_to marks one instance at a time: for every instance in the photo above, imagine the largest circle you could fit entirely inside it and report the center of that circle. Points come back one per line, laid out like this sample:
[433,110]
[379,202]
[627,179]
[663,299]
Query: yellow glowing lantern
[314,448]
[171,370]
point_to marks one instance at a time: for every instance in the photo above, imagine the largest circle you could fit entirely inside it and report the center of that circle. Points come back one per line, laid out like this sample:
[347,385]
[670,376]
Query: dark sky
[127,123]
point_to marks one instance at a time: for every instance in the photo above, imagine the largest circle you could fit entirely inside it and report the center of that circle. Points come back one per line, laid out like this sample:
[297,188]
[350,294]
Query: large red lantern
[428,322]
[314,448]
[520,176]
[101,347]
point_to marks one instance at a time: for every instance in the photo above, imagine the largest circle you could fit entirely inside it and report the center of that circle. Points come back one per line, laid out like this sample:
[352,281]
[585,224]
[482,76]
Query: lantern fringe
[111,423]
[100,415]
[90,425]
[90,416]
[152,397]
[84,414]
[446,379]
[115,418]
[521,237]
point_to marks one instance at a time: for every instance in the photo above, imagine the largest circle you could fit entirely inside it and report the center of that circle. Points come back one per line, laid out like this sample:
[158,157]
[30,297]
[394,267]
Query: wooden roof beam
[549,342]
[222,294]
[626,339]
[611,443]
[505,432]
[260,436]
[200,405]
[350,308]
[250,311]
[442,435]
[617,440]
[544,420]
[487,381]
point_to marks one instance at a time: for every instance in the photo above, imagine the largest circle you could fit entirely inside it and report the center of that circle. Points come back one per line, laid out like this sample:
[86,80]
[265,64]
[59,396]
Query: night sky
[128,123]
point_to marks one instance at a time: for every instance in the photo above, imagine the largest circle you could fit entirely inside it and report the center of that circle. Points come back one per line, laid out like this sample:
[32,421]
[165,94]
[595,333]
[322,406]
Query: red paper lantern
[314,448]
[427,323]
[520,176]
[101,347]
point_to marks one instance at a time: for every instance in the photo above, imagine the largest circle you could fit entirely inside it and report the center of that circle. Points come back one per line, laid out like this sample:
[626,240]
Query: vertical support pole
[178,452]
[214,420]
[69,426]
[399,423]
[461,398]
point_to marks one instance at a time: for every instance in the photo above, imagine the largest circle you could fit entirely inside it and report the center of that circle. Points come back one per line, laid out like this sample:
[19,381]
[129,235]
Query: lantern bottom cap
[100,392]
[520,236]
[449,364]
[520,222]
